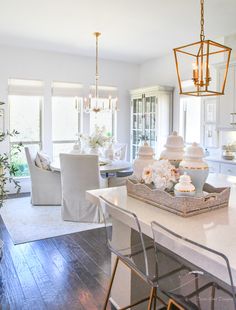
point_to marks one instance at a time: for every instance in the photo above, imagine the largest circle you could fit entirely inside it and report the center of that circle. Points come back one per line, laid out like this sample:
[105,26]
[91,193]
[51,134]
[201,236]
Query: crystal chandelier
[193,62]
[96,103]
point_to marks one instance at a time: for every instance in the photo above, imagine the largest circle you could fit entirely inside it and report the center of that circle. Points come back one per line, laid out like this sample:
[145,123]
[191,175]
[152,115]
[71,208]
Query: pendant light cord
[202,35]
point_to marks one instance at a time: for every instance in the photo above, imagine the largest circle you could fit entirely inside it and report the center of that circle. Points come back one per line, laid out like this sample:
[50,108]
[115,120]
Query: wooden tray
[214,198]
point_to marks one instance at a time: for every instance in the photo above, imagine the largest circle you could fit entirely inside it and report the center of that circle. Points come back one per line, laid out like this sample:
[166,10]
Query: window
[190,119]
[106,119]
[66,116]
[24,101]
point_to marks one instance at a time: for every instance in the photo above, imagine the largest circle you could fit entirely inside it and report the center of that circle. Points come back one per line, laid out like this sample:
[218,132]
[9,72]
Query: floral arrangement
[97,139]
[161,174]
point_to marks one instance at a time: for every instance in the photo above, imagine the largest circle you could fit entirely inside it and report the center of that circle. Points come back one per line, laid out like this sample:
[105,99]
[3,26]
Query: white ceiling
[132,30]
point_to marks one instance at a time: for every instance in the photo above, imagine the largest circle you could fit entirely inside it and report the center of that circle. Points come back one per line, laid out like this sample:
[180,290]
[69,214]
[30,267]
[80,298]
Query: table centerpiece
[96,141]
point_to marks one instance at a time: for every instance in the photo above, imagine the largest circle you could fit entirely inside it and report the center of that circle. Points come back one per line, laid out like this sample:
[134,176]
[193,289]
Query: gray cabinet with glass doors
[151,117]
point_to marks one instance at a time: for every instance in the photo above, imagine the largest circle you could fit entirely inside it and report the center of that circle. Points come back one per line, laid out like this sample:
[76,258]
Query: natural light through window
[29,128]
[66,123]
[190,119]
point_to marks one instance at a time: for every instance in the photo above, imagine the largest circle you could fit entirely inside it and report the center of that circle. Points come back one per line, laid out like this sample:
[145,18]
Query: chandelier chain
[202,35]
[97,75]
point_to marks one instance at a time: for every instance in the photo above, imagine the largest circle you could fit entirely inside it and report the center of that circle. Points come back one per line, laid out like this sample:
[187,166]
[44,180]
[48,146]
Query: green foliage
[21,167]
[8,169]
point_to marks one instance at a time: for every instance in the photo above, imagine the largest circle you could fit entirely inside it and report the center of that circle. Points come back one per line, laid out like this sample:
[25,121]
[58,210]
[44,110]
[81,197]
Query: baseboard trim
[20,195]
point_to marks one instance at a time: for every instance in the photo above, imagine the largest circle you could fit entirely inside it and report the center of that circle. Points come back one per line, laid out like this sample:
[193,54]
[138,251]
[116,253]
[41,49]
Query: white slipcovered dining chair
[45,184]
[80,173]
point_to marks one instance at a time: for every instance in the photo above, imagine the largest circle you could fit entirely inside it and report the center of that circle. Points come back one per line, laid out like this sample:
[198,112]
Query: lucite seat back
[194,286]
[125,239]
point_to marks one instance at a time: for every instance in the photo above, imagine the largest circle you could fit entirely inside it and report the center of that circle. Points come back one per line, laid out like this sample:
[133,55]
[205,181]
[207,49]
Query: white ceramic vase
[109,152]
[184,187]
[174,149]
[145,158]
[76,148]
[194,165]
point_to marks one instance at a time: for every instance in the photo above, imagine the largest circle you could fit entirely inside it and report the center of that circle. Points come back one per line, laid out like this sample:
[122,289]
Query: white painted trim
[150,90]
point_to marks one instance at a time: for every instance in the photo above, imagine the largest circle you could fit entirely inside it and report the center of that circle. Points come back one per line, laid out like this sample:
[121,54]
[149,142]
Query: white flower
[97,139]
[161,173]
[147,175]
[159,182]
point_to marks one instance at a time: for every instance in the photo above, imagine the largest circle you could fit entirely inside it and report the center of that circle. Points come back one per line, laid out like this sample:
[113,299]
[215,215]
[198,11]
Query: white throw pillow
[42,161]
[38,161]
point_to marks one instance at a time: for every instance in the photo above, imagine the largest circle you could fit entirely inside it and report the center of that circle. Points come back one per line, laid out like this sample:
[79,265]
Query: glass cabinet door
[143,122]
[150,120]
[137,124]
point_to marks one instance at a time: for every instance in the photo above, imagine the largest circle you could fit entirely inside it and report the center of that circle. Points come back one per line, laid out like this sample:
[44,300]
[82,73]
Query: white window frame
[183,127]
[79,107]
[30,88]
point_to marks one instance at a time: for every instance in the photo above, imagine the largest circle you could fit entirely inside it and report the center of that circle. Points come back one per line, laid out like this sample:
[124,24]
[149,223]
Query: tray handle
[210,197]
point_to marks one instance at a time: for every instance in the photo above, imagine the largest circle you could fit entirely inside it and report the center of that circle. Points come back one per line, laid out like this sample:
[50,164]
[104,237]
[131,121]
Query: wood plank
[94,265]
[12,293]
[54,265]
[51,294]
[102,260]
[85,296]
[69,271]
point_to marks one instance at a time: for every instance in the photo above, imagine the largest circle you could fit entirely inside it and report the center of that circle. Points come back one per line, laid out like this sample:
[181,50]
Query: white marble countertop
[218,158]
[215,229]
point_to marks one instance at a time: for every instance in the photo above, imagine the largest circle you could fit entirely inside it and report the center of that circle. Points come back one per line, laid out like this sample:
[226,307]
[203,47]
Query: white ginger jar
[174,149]
[145,159]
[184,187]
[194,165]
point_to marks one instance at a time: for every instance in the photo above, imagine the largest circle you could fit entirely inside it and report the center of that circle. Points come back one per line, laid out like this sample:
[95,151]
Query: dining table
[214,229]
[106,167]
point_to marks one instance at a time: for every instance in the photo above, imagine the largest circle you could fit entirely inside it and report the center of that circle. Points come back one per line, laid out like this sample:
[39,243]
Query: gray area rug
[27,223]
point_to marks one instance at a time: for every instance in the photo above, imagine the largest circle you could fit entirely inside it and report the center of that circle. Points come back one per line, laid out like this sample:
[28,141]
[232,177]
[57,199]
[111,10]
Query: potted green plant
[8,169]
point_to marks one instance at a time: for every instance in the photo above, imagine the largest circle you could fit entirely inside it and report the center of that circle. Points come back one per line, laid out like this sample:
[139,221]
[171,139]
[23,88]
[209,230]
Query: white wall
[161,71]
[52,66]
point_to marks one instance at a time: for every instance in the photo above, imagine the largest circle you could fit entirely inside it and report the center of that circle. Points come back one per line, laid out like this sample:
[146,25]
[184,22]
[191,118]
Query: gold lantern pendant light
[193,63]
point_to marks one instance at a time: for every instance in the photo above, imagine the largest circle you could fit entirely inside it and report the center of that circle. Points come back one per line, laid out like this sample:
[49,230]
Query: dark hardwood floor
[67,272]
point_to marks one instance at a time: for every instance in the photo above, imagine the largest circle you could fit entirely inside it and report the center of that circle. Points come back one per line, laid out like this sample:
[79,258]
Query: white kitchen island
[215,229]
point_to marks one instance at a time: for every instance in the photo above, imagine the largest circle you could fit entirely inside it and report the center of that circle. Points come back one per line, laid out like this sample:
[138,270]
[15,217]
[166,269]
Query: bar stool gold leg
[155,298]
[111,282]
[151,298]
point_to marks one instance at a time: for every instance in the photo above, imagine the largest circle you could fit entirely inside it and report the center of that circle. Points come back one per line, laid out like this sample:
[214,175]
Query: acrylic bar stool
[195,287]
[135,256]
